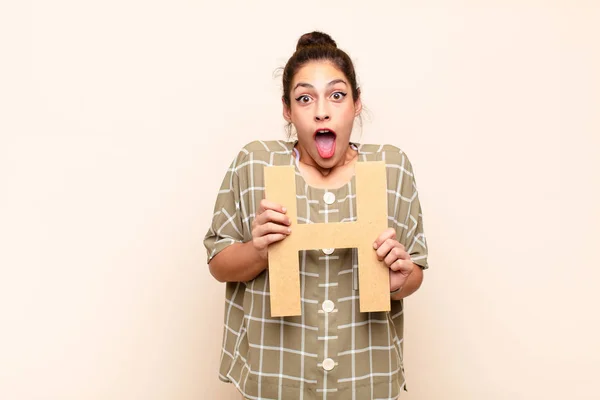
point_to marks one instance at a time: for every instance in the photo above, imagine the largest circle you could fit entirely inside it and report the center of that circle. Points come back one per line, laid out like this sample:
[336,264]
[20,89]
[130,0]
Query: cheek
[347,114]
[301,116]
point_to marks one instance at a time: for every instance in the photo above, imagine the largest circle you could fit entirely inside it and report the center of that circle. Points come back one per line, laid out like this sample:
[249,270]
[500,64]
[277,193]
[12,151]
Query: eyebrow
[309,86]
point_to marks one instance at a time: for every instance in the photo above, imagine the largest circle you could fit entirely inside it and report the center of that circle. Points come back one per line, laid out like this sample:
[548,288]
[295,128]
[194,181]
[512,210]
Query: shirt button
[329,198]
[328,306]
[328,251]
[328,364]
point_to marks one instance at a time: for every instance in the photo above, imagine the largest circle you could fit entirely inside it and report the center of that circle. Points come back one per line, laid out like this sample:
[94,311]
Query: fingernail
[375,245]
[289,230]
[284,209]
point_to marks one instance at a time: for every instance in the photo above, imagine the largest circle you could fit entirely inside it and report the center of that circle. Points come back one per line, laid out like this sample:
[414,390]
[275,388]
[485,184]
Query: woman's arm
[242,262]
[239,262]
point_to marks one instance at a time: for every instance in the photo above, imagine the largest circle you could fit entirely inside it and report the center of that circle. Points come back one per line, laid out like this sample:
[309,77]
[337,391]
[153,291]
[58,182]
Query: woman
[332,350]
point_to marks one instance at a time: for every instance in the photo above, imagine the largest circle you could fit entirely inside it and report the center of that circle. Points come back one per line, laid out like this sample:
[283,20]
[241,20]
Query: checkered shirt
[332,351]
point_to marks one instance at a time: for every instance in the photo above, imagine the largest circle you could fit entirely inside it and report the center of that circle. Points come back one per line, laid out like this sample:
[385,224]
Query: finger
[270,228]
[270,205]
[405,267]
[389,233]
[272,216]
[386,247]
[396,253]
[265,241]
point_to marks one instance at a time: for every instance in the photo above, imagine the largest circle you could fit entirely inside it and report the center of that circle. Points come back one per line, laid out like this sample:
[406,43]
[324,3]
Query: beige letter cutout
[371,207]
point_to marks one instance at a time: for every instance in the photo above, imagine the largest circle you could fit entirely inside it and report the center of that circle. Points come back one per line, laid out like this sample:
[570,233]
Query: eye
[338,95]
[304,99]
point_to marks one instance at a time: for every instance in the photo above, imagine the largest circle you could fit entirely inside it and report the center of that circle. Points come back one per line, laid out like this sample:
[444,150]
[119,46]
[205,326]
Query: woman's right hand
[271,225]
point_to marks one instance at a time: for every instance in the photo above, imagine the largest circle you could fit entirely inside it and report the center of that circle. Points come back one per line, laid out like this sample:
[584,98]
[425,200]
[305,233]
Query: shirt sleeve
[409,216]
[226,227]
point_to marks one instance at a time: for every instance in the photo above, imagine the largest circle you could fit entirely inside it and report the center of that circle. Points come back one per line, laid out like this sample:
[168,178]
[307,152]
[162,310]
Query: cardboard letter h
[371,209]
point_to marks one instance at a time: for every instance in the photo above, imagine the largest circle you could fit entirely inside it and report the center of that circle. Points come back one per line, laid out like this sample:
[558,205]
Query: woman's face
[322,110]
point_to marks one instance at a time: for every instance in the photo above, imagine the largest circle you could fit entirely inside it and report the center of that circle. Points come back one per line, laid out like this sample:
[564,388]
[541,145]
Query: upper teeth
[324,131]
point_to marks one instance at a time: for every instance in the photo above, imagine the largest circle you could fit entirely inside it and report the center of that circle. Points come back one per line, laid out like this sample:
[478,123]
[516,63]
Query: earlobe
[357,107]
[287,113]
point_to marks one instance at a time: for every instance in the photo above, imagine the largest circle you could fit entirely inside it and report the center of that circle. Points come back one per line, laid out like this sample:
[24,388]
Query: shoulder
[263,149]
[392,155]
[260,153]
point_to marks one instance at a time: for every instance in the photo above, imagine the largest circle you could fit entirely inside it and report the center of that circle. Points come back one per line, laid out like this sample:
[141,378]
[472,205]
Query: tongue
[325,144]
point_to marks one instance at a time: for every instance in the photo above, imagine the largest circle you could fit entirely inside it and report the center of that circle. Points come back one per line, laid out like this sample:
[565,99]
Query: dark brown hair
[318,46]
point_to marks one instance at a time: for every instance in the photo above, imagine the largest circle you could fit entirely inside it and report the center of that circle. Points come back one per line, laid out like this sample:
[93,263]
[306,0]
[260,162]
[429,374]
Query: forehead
[318,73]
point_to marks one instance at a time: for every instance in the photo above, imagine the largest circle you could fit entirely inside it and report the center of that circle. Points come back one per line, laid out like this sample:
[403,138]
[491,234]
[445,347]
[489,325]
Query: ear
[287,112]
[357,107]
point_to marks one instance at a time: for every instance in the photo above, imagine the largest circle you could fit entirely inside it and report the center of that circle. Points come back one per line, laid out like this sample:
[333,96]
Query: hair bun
[315,39]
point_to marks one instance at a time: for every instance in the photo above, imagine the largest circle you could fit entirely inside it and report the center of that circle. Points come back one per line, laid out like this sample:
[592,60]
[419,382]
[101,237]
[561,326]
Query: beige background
[119,118]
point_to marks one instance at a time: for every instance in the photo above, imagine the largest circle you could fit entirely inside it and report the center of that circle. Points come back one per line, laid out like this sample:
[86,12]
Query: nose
[322,114]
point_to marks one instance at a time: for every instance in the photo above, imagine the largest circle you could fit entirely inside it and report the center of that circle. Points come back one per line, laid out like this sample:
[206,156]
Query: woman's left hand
[393,253]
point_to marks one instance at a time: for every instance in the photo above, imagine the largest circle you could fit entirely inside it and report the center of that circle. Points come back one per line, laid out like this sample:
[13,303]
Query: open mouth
[325,141]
